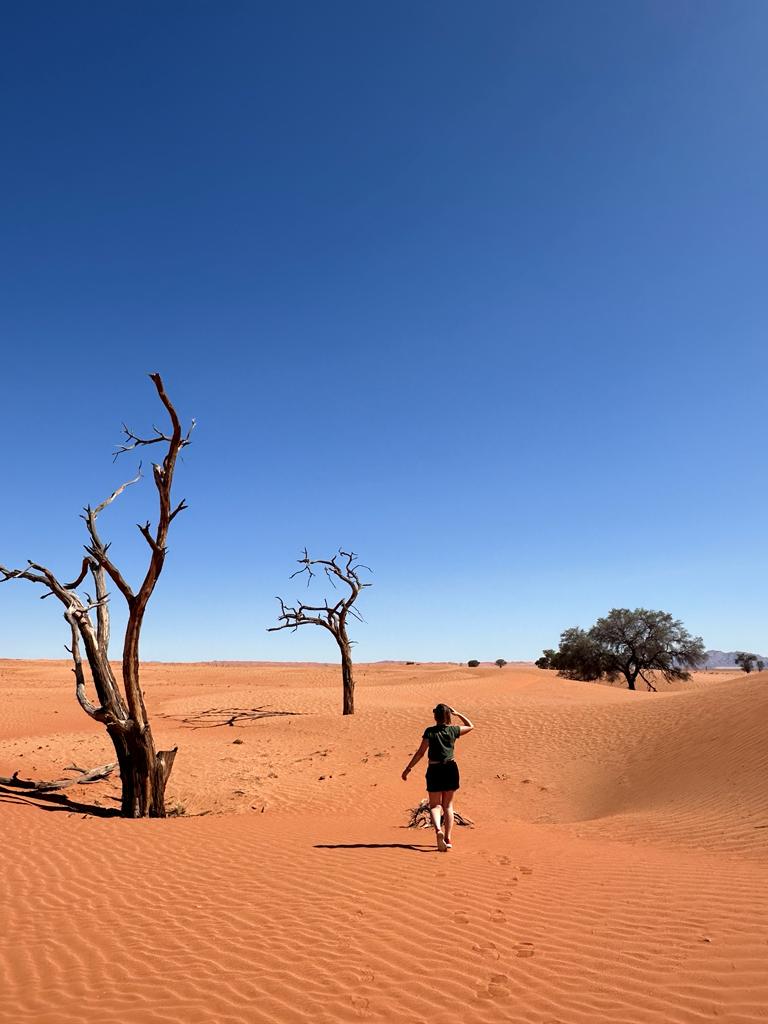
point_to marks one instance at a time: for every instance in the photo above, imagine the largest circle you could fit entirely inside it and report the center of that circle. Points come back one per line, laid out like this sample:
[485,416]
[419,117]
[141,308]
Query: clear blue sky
[477,289]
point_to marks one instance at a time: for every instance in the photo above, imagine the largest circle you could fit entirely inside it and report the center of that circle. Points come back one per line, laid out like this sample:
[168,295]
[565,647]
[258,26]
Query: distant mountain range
[726,659]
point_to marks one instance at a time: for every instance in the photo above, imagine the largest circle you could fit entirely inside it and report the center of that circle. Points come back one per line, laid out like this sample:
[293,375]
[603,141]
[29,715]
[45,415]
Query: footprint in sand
[361,1005]
[487,950]
[498,986]
[460,918]
[524,949]
[502,860]
[526,871]
[497,917]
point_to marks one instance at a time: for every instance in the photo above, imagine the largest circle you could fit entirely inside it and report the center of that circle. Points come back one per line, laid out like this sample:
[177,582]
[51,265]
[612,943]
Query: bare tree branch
[117,493]
[158,438]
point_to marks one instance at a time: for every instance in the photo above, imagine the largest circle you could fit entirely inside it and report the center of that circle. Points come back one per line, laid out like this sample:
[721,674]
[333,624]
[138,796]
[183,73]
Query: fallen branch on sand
[420,817]
[86,776]
[213,717]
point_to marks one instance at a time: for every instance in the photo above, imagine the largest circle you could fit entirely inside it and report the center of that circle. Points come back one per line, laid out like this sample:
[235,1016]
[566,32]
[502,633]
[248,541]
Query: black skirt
[442,777]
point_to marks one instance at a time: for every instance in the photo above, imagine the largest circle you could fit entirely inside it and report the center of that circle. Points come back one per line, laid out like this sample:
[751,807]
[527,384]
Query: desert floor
[617,870]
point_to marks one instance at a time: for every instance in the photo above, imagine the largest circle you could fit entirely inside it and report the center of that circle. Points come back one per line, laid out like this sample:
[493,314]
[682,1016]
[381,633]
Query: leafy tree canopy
[628,644]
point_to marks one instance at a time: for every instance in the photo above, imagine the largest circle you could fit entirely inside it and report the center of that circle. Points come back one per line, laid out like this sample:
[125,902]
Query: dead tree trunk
[332,617]
[144,771]
[347,680]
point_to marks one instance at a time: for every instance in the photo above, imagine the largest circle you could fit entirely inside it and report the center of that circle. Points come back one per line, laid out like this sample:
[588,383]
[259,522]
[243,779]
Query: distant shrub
[473,663]
[746,661]
[500,662]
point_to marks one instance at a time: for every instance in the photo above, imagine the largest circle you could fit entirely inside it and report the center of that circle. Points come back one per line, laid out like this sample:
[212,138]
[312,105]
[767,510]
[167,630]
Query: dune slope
[616,871]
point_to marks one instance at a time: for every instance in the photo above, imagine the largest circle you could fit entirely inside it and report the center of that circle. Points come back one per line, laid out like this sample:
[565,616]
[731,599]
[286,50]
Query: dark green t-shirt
[441,740]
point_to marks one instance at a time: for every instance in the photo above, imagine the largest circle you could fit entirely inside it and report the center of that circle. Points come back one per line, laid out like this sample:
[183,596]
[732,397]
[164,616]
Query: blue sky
[475,289]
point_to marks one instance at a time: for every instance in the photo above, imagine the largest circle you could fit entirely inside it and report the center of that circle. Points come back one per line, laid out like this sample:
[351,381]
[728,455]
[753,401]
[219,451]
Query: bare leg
[447,804]
[436,811]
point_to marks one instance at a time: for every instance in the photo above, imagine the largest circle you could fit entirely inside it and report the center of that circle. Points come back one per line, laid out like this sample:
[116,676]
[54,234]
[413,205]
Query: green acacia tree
[635,643]
[626,643]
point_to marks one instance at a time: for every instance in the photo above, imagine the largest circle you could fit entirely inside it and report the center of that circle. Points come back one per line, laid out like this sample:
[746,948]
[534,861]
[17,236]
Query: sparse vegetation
[473,663]
[628,644]
[500,662]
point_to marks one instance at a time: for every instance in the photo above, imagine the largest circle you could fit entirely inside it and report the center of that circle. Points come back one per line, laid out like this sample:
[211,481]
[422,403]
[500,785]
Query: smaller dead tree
[341,569]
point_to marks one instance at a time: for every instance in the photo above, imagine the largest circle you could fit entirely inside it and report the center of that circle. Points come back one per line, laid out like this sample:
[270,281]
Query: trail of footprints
[497,986]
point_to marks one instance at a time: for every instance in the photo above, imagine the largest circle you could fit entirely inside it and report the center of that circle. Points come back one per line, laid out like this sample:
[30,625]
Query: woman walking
[442,770]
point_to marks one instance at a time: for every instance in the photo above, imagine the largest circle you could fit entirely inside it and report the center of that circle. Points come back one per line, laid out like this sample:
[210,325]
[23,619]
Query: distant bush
[500,662]
[473,663]
[747,661]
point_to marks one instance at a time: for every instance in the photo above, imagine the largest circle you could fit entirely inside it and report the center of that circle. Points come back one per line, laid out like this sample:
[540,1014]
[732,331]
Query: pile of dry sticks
[420,818]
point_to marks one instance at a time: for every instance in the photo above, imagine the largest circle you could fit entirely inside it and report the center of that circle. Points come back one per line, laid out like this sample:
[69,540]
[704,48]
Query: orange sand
[617,871]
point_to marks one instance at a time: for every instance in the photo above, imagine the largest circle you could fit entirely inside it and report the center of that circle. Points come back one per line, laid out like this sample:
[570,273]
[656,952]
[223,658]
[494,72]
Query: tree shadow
[417,848]
[55,802]
[212,718]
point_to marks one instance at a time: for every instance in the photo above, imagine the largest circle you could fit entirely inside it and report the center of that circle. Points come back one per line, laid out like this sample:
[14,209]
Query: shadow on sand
[417,848]
[55,802]
[212,718]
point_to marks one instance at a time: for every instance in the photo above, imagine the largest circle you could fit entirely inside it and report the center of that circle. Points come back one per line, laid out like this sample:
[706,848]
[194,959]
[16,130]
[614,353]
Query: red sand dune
[617,871]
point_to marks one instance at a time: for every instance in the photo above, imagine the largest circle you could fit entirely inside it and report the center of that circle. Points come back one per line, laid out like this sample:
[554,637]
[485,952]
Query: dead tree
[144,771]
[333,617]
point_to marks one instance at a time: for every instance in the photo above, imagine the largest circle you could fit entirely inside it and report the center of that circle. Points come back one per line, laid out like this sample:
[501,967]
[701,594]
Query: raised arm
[467,726]
[415,759]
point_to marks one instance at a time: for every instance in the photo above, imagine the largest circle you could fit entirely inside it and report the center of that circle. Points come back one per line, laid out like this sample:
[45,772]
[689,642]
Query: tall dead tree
[341,569]
[144,771]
